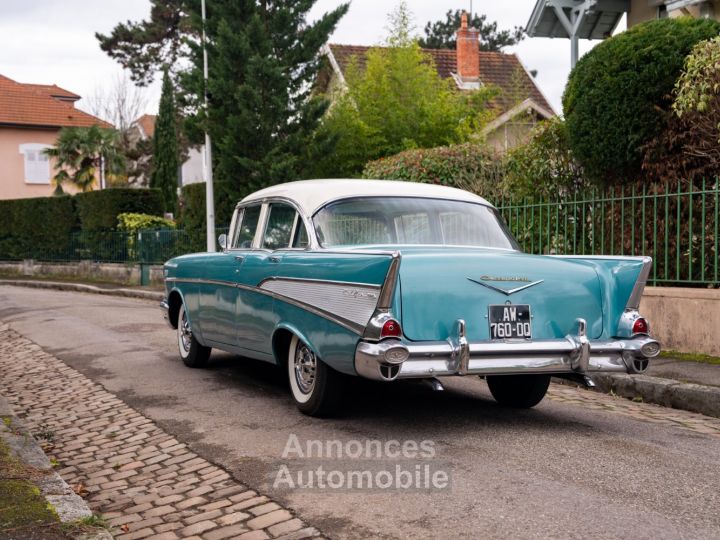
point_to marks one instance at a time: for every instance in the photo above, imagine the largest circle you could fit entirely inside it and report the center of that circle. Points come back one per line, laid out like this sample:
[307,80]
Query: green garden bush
[30,228]
[467,166]
[134,222]
[99,210]
[615,97]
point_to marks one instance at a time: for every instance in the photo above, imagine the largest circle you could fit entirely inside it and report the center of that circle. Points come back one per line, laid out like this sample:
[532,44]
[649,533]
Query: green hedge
[467,166]
[31,227]
[41,228]
[98,210]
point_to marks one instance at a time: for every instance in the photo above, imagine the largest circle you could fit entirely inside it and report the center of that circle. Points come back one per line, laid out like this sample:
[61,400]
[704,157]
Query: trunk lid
[439,286]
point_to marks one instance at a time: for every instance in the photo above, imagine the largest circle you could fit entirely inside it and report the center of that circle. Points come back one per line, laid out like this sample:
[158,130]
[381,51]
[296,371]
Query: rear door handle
[274,259]
[239,258]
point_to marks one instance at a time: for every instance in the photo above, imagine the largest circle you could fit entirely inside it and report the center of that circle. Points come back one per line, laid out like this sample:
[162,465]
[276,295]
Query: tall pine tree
[263,58]
[165,162]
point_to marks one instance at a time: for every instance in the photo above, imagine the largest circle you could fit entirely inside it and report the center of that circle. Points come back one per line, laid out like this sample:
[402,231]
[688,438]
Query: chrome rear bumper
[394,359]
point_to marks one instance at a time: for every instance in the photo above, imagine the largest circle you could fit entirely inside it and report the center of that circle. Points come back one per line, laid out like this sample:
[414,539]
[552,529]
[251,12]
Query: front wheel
[521,391]
[192,353]
[316,388]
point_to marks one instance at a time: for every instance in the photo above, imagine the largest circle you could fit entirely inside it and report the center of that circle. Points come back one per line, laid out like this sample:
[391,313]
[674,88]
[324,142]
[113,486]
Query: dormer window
[37,163]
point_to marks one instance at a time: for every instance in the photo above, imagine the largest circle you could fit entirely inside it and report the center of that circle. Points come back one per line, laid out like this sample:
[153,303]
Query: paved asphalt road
[562,470]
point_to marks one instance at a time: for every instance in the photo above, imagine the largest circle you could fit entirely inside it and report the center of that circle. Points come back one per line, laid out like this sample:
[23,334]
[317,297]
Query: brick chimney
[468,51]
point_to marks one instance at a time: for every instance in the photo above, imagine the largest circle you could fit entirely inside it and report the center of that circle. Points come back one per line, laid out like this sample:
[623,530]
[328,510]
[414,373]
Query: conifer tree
[165,162]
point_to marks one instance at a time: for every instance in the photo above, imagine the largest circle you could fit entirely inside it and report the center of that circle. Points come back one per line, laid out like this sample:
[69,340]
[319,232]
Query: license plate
[509,321]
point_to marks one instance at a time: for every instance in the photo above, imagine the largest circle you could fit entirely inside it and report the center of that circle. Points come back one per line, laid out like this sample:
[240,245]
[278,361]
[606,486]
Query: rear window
[409,220]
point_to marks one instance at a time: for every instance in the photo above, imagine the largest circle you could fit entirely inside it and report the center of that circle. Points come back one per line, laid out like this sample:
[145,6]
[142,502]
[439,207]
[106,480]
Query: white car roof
[310,195]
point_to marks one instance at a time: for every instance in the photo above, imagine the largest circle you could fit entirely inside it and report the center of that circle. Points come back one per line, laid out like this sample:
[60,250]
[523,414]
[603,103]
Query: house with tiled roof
[30,117]
[191,170]
[518,107]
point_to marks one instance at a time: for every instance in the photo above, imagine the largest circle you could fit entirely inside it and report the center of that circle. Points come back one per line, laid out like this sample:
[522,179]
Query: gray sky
[52,41]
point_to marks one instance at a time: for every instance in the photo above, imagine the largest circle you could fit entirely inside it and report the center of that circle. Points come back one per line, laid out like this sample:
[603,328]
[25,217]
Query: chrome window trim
[347,324]
[312,239]
[346,198]
[479,203]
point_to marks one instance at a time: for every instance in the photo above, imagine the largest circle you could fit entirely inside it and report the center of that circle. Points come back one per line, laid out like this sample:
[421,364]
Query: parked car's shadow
[402,403]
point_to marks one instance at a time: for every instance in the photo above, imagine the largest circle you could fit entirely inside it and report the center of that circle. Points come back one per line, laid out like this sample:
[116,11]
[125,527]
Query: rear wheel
[316,387]
[192,353]
[521,391]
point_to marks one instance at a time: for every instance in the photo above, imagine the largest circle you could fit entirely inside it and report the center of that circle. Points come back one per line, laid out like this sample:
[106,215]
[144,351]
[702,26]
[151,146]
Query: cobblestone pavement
[646,412]
[146,483]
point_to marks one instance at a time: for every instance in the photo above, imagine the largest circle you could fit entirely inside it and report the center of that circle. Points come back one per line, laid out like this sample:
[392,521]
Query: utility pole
[207,169]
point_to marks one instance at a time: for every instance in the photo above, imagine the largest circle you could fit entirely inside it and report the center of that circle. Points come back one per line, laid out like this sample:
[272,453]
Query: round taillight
[640,326]
[391,328]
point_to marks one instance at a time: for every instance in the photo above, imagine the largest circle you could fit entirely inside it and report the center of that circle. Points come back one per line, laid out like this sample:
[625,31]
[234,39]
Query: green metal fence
[147,247]
[676,226]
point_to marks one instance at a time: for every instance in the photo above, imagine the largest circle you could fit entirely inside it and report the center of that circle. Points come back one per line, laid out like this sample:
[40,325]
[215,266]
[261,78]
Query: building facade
[31,115]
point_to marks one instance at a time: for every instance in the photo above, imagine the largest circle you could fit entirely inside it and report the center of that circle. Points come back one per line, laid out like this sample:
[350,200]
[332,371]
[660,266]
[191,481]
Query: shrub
[31,228]
[466,166]
[615,95]
[99,210]
[132,223]
[689,146]
[544,166]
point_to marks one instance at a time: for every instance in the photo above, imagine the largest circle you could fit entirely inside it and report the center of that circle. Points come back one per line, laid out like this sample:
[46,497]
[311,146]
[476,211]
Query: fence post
[144,266]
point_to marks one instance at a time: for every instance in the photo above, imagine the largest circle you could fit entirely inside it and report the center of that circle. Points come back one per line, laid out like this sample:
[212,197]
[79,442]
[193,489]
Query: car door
[256,318]
[219,295]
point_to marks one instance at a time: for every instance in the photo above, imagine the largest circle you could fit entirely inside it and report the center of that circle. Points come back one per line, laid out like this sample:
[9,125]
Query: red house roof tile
[41,105]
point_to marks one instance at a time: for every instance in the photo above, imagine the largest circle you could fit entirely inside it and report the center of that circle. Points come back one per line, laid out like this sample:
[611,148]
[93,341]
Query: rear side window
[247,227]
[279,226]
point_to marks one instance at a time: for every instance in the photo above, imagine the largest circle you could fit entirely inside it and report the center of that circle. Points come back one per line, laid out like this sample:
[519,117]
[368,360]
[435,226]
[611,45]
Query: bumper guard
[392,359]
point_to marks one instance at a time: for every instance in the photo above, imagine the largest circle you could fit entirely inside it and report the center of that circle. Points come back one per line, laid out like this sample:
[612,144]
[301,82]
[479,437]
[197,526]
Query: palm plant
[82,154]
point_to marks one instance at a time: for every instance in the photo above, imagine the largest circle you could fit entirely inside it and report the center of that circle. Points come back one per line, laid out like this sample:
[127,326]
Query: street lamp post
[207,169]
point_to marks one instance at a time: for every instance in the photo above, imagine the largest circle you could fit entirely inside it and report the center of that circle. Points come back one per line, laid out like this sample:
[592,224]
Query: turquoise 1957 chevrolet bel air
[397,280]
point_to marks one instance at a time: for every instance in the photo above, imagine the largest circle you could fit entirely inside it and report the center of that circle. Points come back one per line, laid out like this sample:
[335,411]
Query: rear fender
[622,280]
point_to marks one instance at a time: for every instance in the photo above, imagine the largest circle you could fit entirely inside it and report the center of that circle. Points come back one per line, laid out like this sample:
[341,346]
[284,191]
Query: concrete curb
[666,392]
[81,287]
[68,505]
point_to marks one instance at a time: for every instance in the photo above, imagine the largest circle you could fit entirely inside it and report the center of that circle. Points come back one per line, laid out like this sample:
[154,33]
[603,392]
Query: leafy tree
[165,162]
[264,57]
[396,102]
[143,47]
[615,96]
[545,165]
[441,34]
[79,154]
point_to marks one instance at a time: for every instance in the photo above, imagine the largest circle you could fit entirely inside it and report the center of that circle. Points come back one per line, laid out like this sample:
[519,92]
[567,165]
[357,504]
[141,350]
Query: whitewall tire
[316,388]
[192,353]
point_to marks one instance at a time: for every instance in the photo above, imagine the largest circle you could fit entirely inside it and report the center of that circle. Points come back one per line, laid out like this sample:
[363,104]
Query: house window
[37,164]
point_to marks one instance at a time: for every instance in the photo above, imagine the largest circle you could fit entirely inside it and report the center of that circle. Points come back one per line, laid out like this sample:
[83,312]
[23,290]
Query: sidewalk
[141,479]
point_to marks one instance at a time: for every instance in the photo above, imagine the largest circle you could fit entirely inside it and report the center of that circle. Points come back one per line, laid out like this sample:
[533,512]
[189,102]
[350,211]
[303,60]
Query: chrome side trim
[350,302]
[382,314]
[388,289]
[312,280]
[332,317]
[636,294]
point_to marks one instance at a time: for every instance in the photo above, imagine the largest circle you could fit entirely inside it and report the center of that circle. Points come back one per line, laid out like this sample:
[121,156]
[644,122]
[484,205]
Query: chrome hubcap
[305,365]
[185,333]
